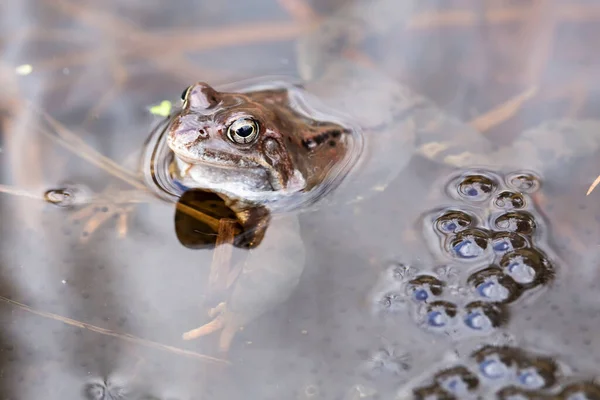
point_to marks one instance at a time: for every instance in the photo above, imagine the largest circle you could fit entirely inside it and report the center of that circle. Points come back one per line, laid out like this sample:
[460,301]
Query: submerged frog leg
[217,323]
[112,204]
[267,278]
[220,322]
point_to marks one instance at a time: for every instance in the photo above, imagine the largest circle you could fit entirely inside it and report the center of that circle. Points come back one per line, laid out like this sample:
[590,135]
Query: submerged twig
[502,112]
[108,332]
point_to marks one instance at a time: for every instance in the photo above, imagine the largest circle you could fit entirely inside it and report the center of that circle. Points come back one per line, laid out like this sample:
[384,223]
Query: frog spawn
[492,252]
[504,372]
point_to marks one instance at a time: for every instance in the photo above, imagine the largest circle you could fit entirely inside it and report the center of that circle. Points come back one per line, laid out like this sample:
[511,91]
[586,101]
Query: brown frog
[255,148]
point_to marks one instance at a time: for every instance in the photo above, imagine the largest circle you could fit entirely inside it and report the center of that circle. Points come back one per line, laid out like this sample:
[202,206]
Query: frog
[257,144]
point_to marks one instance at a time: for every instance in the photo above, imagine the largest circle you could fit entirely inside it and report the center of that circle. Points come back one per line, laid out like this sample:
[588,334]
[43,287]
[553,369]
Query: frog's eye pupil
[243,131]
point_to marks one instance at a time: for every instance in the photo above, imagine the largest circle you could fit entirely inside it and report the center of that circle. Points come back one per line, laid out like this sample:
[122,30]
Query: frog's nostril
[203,133]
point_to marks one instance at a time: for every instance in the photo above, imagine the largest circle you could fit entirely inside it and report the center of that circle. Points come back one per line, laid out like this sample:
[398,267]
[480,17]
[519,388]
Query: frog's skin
[379,125]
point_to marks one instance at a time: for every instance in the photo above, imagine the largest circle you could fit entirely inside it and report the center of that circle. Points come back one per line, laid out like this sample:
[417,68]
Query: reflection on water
[448,283]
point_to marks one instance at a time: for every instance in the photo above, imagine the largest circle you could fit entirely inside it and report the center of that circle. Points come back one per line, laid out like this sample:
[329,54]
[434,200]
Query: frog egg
[509,201]
[453,221]
[425,287]
[469,244]
[457,380]
[523,182]
[483,316]
[476,187]
[528,267]
[519,222]
[492,284]
[508,241]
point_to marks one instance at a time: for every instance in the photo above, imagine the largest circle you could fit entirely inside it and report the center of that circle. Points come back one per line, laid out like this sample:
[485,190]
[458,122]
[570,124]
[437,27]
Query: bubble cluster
[504,241]
[491,240]
[504,372]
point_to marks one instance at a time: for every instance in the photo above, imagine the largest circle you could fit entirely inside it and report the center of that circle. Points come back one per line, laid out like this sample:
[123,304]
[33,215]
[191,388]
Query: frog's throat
[252,183]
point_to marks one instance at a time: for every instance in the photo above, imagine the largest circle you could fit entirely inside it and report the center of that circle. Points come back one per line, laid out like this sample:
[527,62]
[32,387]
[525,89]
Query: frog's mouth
[217,159]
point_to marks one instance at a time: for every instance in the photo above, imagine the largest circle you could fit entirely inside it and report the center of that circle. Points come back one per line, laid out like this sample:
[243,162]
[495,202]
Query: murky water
[452,283]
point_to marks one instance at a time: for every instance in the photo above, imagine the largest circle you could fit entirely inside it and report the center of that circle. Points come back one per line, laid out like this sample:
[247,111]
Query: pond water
[450,281]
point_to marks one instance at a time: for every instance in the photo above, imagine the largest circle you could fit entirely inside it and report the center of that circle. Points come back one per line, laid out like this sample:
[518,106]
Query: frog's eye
[184,93]
[243,131]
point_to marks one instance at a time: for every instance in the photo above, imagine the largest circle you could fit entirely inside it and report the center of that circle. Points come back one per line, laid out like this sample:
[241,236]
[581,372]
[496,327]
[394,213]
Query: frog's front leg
[114,203]
[267,278]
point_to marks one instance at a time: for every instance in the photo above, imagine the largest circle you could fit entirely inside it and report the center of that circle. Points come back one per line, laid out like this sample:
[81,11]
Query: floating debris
[24,69]
[163,109]
[593,186]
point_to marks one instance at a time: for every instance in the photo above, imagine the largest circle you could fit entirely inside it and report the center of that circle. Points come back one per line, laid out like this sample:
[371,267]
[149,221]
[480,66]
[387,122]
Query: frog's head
[238,139]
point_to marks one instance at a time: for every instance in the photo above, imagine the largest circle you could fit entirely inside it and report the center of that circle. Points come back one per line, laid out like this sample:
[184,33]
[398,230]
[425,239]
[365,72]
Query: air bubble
[503,242]
[523,182]
[527,267]
[68,196]
[496,362]
[537,373]
[519,222]
[476,187]
[509,201]
[485,315]
[440,313]
[494,285]
[493,369]
[457,380]
[469,244]
[453,222]
[531,379]
[425,286]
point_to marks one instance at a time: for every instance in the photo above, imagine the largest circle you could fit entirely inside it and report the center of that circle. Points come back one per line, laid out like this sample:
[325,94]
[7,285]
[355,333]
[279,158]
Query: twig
[124,336]
[502,112]
[20,192]
[593,185]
